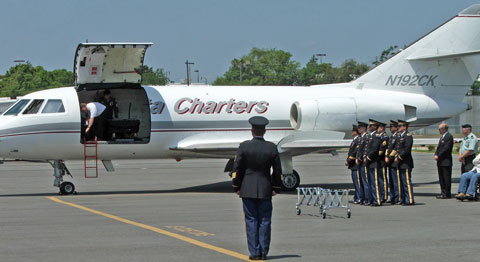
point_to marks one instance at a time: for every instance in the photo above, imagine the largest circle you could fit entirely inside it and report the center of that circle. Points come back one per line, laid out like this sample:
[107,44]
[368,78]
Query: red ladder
[89,157]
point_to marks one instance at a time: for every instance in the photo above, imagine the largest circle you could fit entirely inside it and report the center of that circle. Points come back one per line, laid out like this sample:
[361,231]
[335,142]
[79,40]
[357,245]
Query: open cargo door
[109,63]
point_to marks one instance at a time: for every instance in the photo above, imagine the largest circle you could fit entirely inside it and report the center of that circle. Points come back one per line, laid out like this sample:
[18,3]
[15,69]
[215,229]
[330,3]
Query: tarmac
[161,210]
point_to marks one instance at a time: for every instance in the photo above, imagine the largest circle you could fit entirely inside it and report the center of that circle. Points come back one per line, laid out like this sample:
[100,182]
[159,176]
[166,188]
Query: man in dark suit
[254,184]
[443,156]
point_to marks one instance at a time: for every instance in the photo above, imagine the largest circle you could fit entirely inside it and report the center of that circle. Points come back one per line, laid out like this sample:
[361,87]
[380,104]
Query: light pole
[198,75]
[240,63]
[19,61]
[321,55]
[206,82]
[188,71]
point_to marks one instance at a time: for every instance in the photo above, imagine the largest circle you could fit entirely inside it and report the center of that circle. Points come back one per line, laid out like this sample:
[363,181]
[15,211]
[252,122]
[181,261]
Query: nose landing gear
[59,171]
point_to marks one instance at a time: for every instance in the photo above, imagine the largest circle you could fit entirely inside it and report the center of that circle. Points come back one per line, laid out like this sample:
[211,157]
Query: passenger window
[53,106]
[17,108]
[33,107]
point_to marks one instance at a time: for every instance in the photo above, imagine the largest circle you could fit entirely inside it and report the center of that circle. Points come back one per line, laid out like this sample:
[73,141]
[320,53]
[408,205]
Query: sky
[211,33]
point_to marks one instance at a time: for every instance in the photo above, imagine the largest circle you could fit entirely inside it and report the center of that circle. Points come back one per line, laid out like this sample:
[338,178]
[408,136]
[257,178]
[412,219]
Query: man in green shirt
[468,148]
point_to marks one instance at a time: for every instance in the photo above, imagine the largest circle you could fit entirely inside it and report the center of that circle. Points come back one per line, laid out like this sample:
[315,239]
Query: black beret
[355,128]
[258,122]
[467,126]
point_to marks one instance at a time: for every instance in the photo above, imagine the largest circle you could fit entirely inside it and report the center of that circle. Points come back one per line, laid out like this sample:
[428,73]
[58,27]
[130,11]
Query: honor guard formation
[381,165]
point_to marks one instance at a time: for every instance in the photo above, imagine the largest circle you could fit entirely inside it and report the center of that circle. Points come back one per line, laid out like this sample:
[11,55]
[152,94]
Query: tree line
[258,67]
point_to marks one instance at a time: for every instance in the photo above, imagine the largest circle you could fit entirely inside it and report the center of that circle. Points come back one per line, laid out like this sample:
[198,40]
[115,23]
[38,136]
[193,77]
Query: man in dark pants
[443,156]
[352,165]
[404,161]
[96,121]
[468,148]
[393,174]
[362,128]
[371,163]
[252,181]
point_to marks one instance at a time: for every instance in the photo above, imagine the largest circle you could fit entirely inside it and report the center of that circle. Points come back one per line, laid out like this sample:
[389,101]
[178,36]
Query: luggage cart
[324,198]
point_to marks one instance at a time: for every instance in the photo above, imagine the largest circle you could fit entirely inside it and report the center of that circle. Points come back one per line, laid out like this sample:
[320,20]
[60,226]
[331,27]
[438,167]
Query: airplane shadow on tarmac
[219,187]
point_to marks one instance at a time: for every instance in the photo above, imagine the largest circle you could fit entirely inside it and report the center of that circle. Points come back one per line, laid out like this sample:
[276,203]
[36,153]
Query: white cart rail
[324,198]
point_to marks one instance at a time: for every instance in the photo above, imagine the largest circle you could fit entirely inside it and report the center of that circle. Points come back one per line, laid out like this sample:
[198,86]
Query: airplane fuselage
[191,114]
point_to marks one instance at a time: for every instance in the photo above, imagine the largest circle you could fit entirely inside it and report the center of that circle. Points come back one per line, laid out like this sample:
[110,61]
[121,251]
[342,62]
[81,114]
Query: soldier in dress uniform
[393,174]
[468,148]
[404,161]
[371,163]
[252,181]
[381,161]
[354,168]
[362,128]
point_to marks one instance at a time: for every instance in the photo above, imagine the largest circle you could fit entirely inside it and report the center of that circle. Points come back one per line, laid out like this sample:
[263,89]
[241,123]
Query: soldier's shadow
[283,256]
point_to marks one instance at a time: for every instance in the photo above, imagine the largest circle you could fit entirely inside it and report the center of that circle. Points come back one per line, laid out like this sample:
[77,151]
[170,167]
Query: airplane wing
[301,142]
[297,143]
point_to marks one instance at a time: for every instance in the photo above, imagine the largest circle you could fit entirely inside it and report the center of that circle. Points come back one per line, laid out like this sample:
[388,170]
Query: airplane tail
[444,63]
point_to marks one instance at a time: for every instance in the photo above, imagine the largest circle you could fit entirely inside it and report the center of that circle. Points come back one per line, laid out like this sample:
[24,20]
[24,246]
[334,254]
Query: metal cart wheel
[349,213]
[298,211]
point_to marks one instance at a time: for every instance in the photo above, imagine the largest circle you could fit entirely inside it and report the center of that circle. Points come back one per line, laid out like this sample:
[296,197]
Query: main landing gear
[290,181]
[59,170]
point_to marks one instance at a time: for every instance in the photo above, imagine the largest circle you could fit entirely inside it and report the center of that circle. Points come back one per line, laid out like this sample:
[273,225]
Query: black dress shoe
[263,257]
[255,257]
[442,197]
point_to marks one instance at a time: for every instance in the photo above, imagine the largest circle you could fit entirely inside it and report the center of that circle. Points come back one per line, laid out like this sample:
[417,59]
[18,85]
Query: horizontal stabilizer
[443,56]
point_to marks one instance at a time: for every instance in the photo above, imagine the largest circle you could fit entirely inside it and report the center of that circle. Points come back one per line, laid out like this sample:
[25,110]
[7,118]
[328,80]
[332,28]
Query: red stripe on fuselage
[153,131]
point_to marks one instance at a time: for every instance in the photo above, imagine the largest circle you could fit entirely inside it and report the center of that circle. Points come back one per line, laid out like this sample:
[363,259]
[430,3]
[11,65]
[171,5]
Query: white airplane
[424,84]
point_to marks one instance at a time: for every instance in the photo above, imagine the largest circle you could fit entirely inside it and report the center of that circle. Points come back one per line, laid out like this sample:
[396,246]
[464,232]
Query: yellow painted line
[146,194]
[155,229]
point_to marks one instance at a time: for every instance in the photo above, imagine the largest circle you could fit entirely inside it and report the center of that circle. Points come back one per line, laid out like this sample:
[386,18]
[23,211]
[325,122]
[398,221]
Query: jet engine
[340,113]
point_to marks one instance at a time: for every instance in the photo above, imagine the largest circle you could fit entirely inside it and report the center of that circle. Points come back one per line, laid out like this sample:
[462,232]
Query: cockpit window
[33,107]
[53,106]
[17,108]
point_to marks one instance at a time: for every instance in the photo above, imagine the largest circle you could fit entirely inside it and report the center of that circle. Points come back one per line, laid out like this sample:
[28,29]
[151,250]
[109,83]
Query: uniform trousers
[366,186]
[258,221]
[468,163]
[395,185]
[407,187]
[375,185]
[357,184]
[384,183]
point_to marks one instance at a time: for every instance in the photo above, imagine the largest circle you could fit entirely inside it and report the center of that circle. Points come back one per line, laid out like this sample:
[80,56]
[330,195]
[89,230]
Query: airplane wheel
[290,181]
[67,188]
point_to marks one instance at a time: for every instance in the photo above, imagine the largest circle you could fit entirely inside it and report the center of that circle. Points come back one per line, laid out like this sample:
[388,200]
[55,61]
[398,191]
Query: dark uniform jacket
[352,153]
[111,107]
[404,150]
[371,150]
[444,150]
[361,146]
[251,169]
[383,149]
[392,149]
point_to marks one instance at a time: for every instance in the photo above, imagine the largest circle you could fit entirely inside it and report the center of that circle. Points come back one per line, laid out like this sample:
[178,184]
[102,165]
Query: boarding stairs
[90,157]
